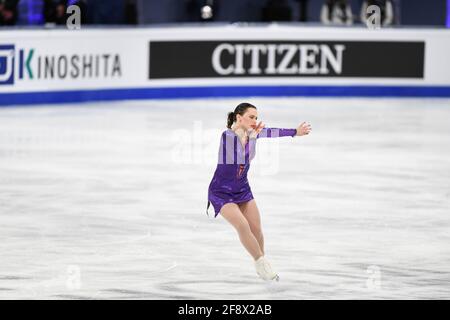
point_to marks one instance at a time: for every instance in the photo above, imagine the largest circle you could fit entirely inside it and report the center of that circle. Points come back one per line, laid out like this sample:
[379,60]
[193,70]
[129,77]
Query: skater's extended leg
[251,213]
[233,215]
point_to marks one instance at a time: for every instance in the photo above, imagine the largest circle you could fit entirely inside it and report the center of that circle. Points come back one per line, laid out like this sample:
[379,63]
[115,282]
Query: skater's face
[248,119]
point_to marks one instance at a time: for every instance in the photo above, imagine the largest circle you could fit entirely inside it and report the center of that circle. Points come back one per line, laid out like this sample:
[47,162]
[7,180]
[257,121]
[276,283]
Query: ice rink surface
[107,201]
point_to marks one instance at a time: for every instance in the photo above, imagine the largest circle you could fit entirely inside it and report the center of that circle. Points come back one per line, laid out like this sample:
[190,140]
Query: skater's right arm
[226,149]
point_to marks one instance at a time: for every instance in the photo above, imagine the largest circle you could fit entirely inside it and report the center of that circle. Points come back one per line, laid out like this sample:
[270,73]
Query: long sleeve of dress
[276,133]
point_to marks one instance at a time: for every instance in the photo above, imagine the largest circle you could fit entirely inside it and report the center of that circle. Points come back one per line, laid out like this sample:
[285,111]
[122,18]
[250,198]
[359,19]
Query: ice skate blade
[277,278]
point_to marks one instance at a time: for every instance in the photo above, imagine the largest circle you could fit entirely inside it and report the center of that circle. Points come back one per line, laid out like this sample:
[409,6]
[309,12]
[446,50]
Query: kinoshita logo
[17,64]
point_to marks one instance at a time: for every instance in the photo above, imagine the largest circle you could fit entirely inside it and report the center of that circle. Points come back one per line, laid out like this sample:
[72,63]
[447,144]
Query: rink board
[50,66]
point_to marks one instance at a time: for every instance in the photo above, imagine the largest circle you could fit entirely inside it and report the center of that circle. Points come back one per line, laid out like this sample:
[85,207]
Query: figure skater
[229,191]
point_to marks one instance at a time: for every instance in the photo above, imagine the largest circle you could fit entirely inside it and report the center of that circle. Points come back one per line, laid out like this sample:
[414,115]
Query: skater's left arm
[261,132]
[303,129]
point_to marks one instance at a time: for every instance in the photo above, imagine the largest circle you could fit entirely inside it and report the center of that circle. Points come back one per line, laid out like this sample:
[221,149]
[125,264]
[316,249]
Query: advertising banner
[218,59]
[56,66]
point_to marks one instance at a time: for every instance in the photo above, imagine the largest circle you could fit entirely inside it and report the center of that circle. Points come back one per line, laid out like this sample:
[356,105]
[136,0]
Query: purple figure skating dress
[229,183]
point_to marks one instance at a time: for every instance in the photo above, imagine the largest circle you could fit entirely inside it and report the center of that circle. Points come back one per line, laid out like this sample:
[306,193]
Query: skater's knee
[259,235]
[242,227]
[257,232]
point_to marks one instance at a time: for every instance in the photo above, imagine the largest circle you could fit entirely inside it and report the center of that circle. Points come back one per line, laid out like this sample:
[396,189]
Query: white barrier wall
[105,64]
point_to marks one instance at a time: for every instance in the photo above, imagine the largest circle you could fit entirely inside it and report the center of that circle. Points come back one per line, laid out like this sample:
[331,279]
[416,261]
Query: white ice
[107,201]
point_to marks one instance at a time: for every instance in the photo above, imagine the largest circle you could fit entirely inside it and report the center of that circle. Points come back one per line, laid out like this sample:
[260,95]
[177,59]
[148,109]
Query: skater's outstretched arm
[276,133]
[302,129]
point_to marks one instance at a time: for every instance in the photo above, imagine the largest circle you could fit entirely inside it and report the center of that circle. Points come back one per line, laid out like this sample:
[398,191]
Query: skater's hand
[257,129]
[303,129]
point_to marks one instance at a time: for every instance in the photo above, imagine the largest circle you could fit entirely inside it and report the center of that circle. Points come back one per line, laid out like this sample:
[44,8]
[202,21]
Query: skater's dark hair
[240,109]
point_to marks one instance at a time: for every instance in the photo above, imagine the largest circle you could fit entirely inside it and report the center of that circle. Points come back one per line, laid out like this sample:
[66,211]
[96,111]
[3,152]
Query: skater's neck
[240,131]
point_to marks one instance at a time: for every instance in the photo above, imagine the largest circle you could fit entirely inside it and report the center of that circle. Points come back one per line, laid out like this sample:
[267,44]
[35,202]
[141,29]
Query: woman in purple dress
[229,191]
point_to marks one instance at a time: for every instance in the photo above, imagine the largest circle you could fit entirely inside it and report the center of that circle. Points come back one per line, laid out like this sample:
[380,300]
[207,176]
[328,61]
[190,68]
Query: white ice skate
[264,270]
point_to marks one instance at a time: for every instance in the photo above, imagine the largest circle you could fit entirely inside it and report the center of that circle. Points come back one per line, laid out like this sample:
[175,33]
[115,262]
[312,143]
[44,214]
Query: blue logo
[6,64]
